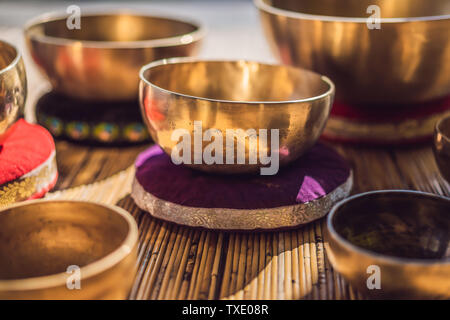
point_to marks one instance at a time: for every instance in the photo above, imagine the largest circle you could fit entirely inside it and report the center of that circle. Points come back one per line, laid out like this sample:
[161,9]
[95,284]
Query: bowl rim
[177,60]
[264,6]
[88,271]
[16,59]
[372,254]
[438,129]
[180,40]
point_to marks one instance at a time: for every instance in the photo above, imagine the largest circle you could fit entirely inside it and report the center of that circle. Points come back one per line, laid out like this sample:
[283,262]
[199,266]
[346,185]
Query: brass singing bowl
[441,146]
[232,95]
[401,238]
[406,61]
[13,87]
[101,60]
[42,243]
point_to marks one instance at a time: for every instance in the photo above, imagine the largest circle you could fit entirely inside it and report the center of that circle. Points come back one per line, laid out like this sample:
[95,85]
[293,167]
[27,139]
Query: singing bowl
[13,86]
[101,60]
[42,241]
[231,95]
[403,234]
[407,61]
[441,146]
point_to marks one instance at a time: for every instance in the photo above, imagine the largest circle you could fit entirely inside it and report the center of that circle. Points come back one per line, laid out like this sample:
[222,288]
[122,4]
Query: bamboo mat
[176,262]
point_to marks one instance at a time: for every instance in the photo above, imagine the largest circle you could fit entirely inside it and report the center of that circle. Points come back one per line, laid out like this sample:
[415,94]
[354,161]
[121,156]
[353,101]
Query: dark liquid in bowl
[397,225]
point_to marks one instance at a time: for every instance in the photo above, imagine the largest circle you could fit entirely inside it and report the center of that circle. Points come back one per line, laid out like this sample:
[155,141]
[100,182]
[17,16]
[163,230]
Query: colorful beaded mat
[106,123]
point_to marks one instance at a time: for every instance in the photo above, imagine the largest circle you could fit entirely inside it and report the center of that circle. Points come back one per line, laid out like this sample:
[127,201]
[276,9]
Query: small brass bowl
[101,60]
[13,86]
[43,242]
[406,61]
[175,94]
[399,238]
[441,146]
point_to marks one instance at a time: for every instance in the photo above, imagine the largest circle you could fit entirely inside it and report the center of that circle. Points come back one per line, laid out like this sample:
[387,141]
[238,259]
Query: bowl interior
[114,27]
[7,54]
[405,225]
[358,8]
[45,238]
[444,127]
[237,81]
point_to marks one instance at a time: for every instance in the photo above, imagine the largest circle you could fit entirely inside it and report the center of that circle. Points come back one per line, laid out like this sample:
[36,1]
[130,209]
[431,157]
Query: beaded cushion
[97,123]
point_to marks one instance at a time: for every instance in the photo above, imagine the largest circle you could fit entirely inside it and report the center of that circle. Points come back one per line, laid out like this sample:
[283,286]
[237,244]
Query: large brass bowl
[101,60]
[392,244]
[441,146]
[13,86]
[42,243]
[406,61]
[232,95]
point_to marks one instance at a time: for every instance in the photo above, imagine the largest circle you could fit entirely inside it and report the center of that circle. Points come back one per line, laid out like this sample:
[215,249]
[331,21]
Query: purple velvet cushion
[315,174]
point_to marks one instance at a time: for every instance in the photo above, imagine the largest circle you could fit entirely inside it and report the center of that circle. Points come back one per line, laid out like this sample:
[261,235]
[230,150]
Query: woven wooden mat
[178,262]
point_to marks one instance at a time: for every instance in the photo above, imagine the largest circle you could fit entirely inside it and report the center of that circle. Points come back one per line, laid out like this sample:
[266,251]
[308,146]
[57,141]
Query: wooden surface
[177,262]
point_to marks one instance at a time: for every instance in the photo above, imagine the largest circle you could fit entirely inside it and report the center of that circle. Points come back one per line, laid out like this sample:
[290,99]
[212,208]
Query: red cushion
[25,148]
[392,114]
[378,126]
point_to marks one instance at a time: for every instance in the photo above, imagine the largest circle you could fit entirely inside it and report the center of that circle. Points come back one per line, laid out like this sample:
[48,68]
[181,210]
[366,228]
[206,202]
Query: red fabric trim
[26,147]
[44,191]
[381,143]
[387,114]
